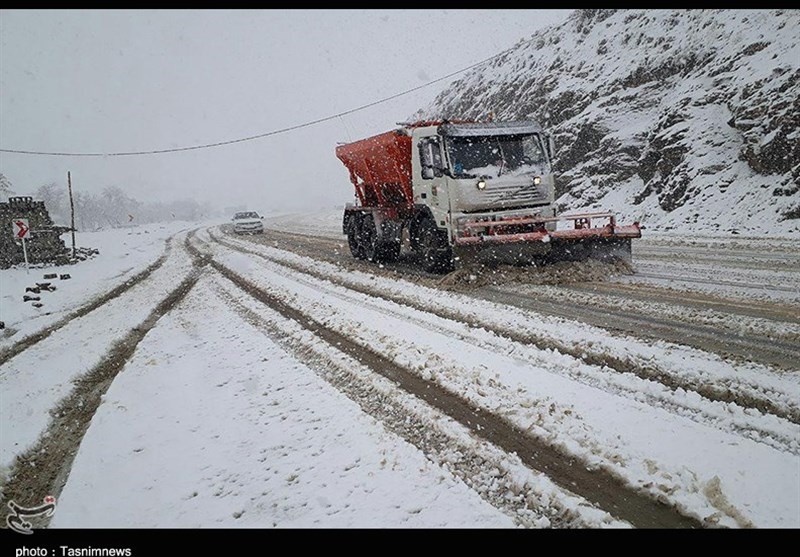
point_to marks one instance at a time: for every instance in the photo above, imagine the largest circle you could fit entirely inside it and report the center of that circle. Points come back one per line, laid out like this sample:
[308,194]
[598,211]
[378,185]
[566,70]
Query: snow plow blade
[543,246]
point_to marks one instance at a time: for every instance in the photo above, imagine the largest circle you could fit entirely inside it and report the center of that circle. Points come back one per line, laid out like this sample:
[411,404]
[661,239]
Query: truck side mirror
[551,145]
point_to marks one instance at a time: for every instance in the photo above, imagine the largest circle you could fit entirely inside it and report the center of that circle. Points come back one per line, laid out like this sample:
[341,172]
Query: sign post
[71,213]
[20,229]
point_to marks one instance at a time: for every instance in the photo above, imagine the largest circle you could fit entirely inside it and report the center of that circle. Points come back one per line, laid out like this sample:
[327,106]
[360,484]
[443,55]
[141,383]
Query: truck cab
[465,174]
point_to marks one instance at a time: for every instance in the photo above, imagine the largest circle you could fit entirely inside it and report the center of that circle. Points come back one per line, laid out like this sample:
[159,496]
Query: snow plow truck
[457,193]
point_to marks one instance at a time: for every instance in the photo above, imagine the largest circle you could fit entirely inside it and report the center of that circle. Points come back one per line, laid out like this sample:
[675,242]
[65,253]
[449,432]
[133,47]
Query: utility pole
[71,213]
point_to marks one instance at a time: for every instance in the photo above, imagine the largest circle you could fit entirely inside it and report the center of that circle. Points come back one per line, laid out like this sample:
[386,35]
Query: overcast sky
[116,81]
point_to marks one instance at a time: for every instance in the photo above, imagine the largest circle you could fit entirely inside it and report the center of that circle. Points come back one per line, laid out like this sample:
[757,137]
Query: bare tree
[5,188]
[55,200]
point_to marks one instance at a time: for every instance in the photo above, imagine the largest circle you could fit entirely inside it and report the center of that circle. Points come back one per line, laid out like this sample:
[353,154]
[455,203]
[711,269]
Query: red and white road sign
[20,228]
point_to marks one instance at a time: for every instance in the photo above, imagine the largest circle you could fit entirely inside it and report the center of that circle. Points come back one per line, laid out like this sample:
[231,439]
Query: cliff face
[679,118]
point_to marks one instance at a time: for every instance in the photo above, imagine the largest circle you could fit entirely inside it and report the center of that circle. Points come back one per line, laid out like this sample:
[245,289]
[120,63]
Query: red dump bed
[380,169]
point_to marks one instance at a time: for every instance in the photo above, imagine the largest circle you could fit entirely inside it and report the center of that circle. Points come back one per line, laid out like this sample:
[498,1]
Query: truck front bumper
[524,240]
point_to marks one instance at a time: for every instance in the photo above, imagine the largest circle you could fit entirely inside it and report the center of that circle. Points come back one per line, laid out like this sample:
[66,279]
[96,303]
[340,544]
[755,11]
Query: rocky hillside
[678,118]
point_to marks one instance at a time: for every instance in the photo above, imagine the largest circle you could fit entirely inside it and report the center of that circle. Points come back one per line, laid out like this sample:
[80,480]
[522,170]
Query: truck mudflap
[528,240]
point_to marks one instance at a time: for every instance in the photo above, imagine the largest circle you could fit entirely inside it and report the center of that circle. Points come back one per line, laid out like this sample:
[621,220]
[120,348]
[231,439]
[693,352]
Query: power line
[270,133]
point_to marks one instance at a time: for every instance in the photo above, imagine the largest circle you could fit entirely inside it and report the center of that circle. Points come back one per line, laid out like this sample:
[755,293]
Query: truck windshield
[494,155]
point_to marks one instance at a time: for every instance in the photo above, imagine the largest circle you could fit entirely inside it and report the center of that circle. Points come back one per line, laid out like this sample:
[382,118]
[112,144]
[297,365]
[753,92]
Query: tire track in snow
[44,467]
[331,250]
[765,429]
[648,293]
[738,258]
[499,478]
[717,282]
[711,389]
[773,352]
[23,344]
[598,486]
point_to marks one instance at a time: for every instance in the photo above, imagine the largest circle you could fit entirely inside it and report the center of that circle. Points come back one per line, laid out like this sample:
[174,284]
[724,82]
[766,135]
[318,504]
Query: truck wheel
[353,237]
[434,249]
[368,238]
[389,252]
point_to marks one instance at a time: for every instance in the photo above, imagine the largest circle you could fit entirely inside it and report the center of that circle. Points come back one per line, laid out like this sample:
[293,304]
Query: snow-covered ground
[211,424]
[661,258]
[226,416]
[124,252]
[603,417]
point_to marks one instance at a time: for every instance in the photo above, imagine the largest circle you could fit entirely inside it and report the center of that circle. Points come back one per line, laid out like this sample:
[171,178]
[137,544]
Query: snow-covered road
[289,386]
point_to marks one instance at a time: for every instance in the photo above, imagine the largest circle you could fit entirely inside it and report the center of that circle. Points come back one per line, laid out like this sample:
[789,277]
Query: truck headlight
[481,184]
[537,180]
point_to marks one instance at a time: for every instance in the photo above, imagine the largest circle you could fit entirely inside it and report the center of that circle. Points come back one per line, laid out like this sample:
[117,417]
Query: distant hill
[682,118]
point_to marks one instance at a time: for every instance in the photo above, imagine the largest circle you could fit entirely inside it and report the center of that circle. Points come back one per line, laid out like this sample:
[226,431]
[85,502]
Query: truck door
[433,191]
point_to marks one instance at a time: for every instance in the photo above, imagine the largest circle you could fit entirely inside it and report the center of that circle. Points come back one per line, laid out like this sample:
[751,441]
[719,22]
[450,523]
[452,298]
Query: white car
[248,222]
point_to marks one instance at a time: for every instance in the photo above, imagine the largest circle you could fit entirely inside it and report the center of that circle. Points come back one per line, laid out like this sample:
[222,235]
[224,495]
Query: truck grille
[515,194]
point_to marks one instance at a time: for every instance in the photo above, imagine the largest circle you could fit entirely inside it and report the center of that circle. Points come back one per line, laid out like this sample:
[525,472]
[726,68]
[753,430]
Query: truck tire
[354,236]
[389,251]
[434,250]
[368,238]
[373,248]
